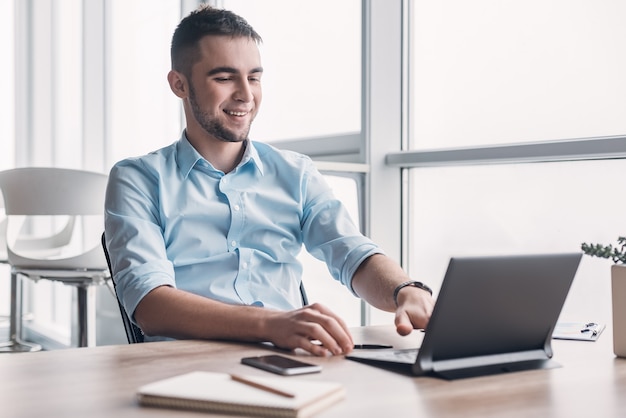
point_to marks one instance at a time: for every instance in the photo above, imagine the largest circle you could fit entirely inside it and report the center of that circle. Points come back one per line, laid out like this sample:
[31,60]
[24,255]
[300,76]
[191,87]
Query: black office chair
[133,332]
[305,299]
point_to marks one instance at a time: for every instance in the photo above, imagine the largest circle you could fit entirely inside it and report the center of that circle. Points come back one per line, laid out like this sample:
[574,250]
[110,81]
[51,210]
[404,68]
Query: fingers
[320,324]
[336,320]
[414,314]
[315,329]
[404,326]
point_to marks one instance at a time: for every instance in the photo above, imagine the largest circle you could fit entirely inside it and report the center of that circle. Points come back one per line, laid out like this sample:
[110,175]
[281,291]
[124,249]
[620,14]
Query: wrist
[410,283]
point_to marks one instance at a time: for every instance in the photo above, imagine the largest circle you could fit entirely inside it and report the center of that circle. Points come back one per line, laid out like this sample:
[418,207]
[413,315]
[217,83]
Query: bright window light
[518,209]
[496,72]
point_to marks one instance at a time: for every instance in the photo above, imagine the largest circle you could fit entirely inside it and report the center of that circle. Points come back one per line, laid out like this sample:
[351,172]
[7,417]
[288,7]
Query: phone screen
[281,364]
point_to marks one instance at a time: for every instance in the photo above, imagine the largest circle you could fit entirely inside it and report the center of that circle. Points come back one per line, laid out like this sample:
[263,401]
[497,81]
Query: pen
[261,386]
[371,346]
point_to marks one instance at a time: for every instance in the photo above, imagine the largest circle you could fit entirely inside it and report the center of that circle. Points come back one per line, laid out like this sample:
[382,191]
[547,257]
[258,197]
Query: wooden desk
[101,382]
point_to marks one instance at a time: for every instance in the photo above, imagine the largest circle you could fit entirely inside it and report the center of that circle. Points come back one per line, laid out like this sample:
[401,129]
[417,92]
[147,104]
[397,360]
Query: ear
[178,83]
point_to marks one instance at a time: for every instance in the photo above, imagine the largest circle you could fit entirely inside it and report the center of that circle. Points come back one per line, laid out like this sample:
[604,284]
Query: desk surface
[101,381]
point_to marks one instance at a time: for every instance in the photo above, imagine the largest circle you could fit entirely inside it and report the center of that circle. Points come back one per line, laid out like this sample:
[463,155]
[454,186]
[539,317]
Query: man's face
[225,87]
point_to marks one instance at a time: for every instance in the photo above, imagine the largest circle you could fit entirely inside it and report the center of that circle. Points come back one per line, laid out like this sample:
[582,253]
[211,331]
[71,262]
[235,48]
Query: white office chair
[35,199]
[15,343]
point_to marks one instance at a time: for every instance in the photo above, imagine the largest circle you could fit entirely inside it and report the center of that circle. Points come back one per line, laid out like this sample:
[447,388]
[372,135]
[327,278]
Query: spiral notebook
[219,393]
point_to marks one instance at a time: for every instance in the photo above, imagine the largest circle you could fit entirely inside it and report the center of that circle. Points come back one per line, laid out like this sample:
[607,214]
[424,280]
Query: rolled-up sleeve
[134,235]
[329,232]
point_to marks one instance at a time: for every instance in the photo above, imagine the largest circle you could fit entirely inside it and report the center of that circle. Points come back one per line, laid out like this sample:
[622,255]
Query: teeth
[236,113]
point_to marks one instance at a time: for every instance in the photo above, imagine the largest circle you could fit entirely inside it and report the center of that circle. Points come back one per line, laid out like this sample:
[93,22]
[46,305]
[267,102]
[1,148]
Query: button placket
[242,282]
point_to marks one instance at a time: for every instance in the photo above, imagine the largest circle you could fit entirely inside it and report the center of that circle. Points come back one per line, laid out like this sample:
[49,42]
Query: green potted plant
[617,254]
[618,287]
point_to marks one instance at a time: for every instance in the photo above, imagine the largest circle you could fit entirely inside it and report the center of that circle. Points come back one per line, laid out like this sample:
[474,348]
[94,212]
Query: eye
[222,79]
[256,78]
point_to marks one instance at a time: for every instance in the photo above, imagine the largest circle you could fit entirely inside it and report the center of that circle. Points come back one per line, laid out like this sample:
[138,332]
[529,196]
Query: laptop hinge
[488,365]
[494,359]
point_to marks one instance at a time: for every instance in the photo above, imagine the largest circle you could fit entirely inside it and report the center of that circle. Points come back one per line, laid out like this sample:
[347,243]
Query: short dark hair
[203,21]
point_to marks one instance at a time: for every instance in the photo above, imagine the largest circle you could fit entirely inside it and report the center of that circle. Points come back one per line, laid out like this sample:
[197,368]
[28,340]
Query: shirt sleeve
[134,236]
[329,232]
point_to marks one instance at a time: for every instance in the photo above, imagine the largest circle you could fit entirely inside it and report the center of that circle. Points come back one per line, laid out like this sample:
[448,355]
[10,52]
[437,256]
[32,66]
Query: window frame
[551,151]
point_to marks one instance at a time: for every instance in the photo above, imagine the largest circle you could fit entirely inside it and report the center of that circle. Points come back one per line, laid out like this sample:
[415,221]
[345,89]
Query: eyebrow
[231,70]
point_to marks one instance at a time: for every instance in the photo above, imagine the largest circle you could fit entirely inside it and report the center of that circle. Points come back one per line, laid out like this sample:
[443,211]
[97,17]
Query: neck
[224,156]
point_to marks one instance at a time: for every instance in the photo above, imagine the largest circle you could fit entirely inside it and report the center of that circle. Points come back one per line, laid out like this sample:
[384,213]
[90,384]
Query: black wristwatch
[413,283]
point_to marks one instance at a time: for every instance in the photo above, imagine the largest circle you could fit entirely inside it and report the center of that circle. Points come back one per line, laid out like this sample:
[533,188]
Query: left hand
[415,306]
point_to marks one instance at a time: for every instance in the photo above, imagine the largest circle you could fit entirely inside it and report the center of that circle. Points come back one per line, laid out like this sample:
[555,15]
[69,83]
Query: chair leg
[86,316]
[15,344]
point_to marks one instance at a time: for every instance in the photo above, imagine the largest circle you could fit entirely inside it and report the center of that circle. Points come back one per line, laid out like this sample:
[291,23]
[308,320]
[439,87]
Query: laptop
[492,315]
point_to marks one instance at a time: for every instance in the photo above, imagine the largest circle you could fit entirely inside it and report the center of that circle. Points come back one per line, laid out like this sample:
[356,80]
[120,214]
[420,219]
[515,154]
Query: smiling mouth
[233,113]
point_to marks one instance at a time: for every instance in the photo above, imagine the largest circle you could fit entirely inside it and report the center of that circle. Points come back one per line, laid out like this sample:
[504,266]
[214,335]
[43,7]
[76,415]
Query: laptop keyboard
[407,356]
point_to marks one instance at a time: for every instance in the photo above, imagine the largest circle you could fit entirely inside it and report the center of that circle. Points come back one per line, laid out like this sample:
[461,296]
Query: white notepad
[217,392]
[583,331]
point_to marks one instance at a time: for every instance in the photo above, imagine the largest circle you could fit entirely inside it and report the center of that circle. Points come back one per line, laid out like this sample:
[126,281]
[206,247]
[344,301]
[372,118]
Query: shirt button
[233,243]
[258,303]
[244,265]
[236,207]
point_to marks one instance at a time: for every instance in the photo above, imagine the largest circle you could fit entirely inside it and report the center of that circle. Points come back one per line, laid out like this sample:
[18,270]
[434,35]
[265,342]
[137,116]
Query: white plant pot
[618,291]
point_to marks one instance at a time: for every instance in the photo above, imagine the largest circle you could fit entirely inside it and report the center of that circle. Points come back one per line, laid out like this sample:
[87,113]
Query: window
[494,72]
[488,73]
[518,209]
[7,84]
[7,117]
[144,114]
[48,116]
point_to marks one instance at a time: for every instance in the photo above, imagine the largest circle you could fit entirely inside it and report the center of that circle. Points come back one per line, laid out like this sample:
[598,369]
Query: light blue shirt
[172,219]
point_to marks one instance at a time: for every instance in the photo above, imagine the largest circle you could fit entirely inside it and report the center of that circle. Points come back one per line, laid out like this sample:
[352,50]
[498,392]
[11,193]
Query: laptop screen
[502,304]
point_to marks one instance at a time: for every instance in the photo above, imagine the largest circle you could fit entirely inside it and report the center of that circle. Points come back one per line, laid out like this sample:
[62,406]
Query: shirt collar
[251,154]
[187,156]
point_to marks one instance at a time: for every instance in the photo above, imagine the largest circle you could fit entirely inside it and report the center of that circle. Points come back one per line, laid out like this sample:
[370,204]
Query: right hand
[313,328]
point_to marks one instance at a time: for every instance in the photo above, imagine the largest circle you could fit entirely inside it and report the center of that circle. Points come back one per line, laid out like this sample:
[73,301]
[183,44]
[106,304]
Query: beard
[211,125]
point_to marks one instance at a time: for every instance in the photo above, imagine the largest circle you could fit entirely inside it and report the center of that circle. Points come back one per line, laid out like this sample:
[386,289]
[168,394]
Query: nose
[244,92]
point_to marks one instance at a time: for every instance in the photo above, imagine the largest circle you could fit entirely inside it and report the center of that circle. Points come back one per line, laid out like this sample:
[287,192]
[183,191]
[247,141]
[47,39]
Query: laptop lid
[495,314]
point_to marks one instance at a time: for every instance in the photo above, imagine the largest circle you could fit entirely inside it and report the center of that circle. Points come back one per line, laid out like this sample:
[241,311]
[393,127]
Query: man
[203,234]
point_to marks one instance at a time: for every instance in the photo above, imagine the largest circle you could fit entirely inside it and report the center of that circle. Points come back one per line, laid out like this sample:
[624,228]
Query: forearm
[375,281]
[174,313]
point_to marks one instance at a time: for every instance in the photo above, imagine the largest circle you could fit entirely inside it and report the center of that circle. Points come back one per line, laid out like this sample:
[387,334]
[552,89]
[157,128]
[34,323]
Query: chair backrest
[305,299]
[133,332]
[51,192]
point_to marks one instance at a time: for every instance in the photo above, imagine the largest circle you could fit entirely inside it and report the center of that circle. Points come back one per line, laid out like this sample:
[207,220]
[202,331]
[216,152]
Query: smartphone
[281,365]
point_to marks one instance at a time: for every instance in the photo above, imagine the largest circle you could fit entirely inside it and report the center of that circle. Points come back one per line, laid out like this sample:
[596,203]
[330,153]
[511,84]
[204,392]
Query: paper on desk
[583,331]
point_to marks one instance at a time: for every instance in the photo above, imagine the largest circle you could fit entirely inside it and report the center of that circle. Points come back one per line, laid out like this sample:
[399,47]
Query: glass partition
[7,127]
[144,114]
[517,209]
[501,72]
[7,86]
